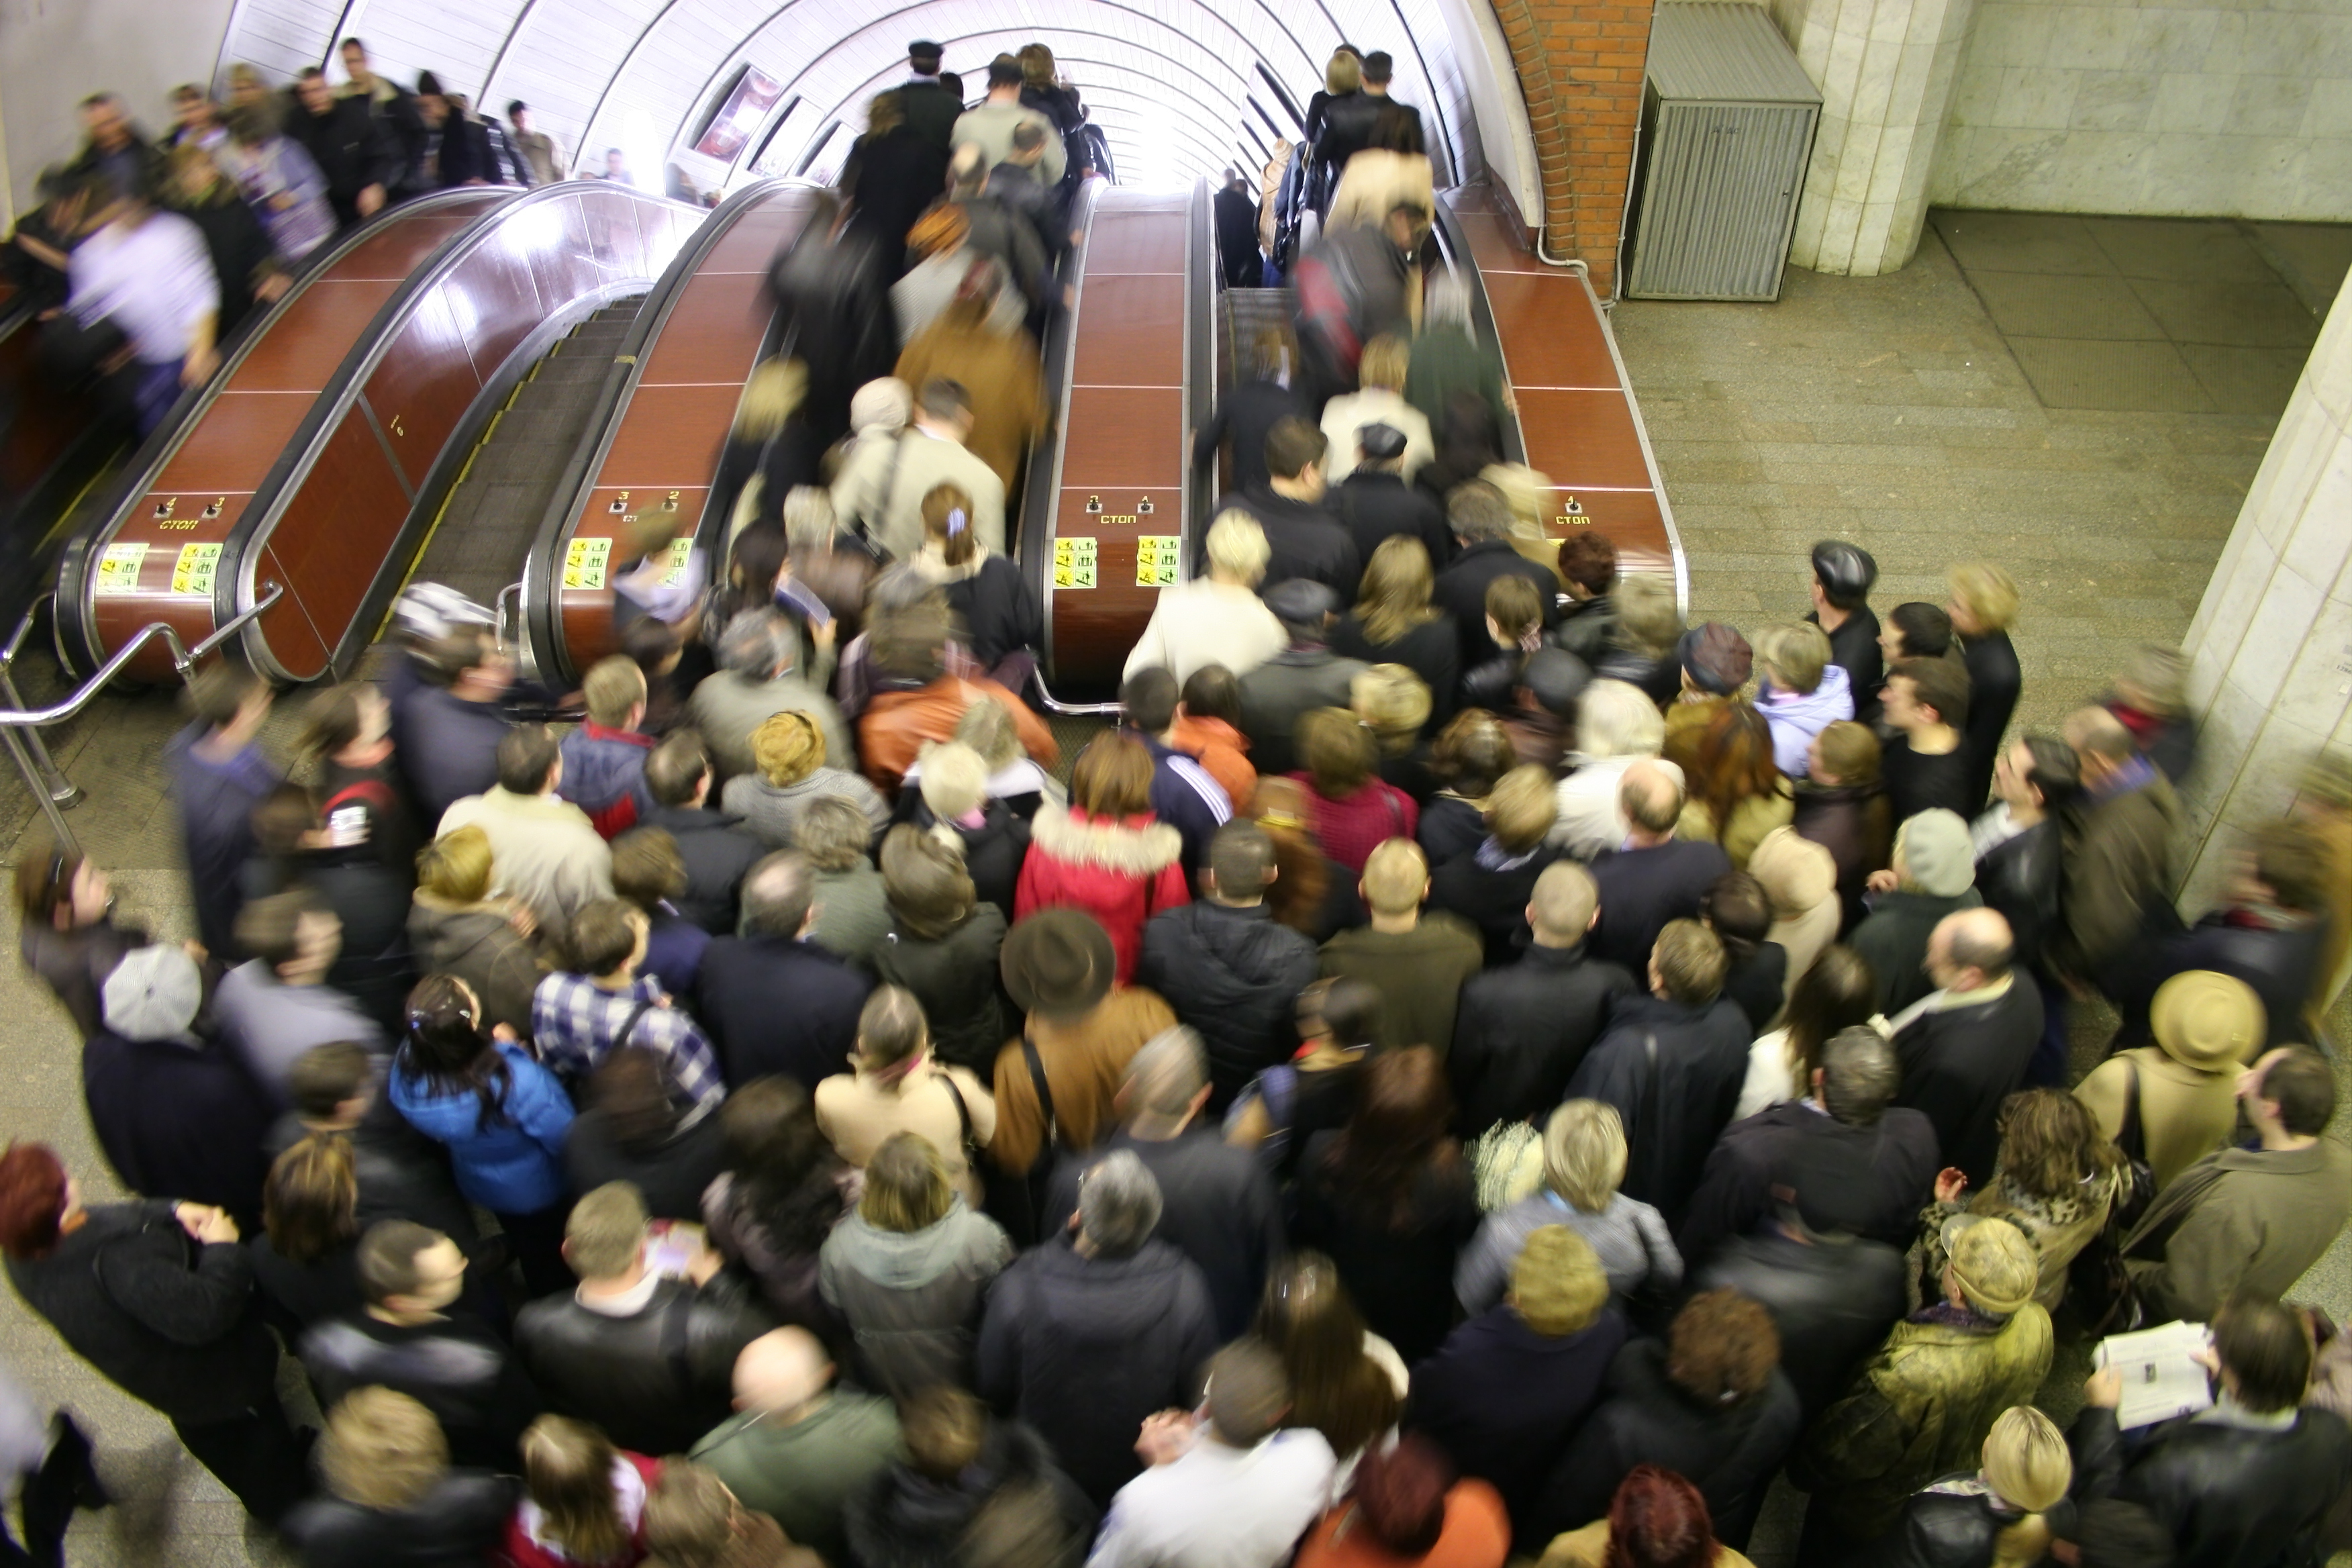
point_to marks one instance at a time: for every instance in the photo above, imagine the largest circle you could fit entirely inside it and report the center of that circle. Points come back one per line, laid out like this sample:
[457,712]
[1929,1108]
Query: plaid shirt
[575,1022]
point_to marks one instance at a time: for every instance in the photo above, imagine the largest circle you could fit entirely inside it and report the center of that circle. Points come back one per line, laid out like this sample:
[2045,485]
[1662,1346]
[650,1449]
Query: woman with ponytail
[1000,615]
[898,1086]
[1992,1519]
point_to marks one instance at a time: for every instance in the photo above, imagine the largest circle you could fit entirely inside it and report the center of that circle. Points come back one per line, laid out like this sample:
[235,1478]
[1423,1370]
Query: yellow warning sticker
[118,569]
[193,573]
[1073,563]
[584,561]
[1156,560]
[681,551]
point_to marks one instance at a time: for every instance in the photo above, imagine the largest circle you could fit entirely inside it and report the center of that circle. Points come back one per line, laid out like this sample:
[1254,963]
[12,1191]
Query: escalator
[653,433]
[311,471]
[494,511]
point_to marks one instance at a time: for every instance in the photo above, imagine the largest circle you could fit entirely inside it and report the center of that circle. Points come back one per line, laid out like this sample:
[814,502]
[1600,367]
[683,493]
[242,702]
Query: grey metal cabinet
[1727,120]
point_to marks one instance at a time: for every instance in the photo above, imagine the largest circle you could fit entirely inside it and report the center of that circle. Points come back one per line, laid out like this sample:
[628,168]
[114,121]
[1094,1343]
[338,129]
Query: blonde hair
[567,1467]
[456,866]
[1985,592]
[1345,74]
[1384,363]
[1647,615]
[1615,719]
[907,1184]
[1393,597]
[1584,1153]
[1396,877]
[1558,1286]
[1237,546]
[381,1449]
[1793,654]
[788,747]
[772,395]
[2026,1462]
[1393,702]
[612,687]
[954,780]
[1524,806]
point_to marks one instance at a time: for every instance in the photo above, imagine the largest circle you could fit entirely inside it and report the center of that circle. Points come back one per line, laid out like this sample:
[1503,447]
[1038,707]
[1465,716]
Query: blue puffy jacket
[604,776]
[509,1166]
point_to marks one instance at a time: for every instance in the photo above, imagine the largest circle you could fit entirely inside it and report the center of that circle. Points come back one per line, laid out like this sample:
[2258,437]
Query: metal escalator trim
[1649,456]
[236,585]
[76,630]
[1042,494]
[1455,245]
[540,618]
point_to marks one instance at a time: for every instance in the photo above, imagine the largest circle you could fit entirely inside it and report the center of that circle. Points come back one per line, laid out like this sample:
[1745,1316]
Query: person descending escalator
[893,173]
[835,302]
[280,182]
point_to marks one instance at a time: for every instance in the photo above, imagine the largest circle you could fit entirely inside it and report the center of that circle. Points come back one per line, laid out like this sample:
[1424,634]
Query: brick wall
[1580,65]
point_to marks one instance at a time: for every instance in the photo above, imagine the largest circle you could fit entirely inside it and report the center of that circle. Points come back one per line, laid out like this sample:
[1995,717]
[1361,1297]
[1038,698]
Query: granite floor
[1897,412]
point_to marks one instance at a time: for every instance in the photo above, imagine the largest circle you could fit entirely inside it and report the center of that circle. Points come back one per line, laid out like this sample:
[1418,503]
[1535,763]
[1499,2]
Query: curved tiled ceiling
[1175,85]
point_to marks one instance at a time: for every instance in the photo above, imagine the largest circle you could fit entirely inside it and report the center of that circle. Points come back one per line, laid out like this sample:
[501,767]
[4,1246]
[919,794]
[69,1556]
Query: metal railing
[20,725]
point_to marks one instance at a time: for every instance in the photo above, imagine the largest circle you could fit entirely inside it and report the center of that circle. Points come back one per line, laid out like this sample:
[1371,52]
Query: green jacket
[803,1473]
[1919,1410]
[1444,361]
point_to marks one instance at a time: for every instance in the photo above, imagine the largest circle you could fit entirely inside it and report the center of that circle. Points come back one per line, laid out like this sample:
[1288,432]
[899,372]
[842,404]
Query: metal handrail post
[184,659]
[61,790]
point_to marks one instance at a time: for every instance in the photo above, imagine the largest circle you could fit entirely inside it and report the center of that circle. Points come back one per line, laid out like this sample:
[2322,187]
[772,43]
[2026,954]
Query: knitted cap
[1716,657]
[1936,848]
[2208,1021]
[1993,1264]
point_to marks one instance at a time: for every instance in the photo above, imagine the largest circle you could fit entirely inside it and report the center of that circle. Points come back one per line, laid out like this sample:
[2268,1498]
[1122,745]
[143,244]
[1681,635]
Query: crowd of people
[1469,1068]
[146,254]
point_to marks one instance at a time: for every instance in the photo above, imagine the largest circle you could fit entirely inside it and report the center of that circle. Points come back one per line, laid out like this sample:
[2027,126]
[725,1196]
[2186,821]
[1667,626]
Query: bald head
[1652,800]
[1971,950]
[1565,903]
[782,1372]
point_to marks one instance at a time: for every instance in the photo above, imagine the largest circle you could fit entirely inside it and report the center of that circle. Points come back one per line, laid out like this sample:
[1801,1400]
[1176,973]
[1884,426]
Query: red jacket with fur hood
[1122,871]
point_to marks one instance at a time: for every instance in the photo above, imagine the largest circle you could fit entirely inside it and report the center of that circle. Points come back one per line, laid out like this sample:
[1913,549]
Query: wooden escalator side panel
[1125,440]
[666,440]
[1578,417]
[161,556]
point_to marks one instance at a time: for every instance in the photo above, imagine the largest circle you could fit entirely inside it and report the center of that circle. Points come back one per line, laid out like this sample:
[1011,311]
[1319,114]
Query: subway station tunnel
[2107,358]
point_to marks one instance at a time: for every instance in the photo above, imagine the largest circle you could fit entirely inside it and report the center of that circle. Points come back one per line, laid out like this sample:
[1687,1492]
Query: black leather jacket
[1833,1302]
[2020,878]
[656,1380]
[2232,1497]
[1956,1523]
[454,1525]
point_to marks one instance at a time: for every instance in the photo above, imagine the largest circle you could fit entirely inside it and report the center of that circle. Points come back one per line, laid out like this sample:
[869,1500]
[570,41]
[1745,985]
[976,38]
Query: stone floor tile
[2049,305]
[2264,315]
[2075,372]
[2020,242]
[2199,249]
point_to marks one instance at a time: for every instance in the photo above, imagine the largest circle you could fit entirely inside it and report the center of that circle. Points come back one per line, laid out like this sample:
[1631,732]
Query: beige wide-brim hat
[2208,1021]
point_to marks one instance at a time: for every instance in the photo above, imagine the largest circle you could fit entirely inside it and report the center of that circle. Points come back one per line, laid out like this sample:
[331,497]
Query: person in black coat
[408,1338]
[1982,605]
[1656,878]
[1481,523]
[1520,1032]
[1305,537]
[450,725]
[1218,1205]
[2248,1482]
[1738,913]
[773,1000]
[1832,1295]
[1092,1332]
[1842,579]
[307,1258]
[1376,504]
[1236,221]
[1231,971]
[891,176]
[960,1462]
[771,441]
[1672,1063]
[1964,1047]
[244,261]
[718,852]
[392,1500]
[2018,872]
[654,1371]
[1962,1520]
[357,153]
[159,1298]
[1505,1392]
[1884,1160]
[994,834]
[1245,415]
[1711,1403]
[631,1132]
[1492,886]
[1390,1199]
[402,1174]
[833,292]
[175,1112]
[2268,933]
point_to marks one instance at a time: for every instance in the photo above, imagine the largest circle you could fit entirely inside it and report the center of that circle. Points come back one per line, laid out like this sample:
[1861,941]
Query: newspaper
[2162,1377]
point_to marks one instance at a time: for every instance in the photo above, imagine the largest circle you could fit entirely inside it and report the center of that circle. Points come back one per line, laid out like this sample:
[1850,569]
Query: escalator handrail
[76,633]
[541,609]
[235,588]
[1041,496]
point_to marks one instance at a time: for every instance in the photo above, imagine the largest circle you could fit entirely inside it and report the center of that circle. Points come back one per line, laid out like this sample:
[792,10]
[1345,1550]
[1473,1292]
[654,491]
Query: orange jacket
[892,730]
[1218,747]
